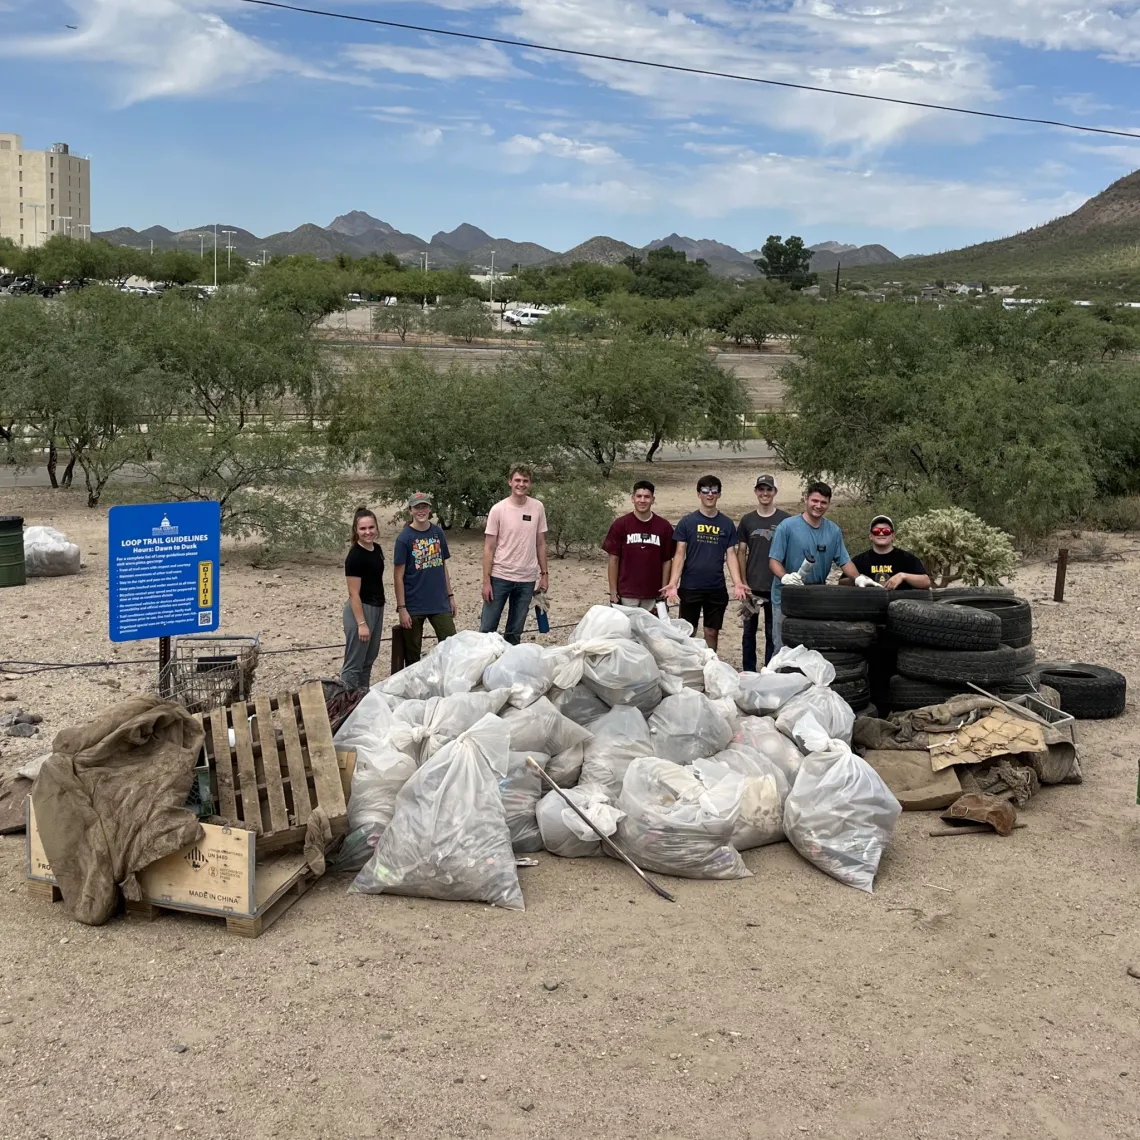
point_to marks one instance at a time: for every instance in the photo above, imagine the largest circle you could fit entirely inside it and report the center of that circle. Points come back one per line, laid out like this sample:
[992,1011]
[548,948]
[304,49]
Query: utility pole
[263,253]
[492,279]
[215,255]
[229,244]
[837,268]
[152,247]
[201,247]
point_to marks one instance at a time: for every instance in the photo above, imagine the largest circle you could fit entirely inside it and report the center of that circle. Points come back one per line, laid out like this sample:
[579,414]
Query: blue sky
[204,110]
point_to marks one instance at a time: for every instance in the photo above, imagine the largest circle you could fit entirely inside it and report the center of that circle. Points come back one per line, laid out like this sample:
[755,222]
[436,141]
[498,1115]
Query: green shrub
[1121,513]
[579,512]
[956,546]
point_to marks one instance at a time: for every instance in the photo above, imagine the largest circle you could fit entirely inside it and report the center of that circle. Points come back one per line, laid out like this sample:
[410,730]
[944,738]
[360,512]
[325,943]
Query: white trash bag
[521,789]
[581,704]
[839,815]
[449,838]
[602,653]
[832,712]
[49,554]
[607,622]
[464,657]
[524,670]
[367,725]
[675,825]
[540,727]
[760,733]
[763,793]
[620,737]
[415,682]
[721,679]
[687,726]
[762,694]
[564,833]
[678,654]
[379,775]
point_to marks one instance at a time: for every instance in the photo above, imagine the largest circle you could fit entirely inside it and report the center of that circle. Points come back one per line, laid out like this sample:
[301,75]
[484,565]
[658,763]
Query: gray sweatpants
[359,656]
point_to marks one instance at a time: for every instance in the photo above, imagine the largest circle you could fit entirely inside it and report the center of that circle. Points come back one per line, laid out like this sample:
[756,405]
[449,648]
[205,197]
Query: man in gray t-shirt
[754,534]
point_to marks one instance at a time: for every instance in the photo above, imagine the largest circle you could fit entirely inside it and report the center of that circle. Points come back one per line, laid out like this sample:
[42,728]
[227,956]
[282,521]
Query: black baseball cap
[767,481]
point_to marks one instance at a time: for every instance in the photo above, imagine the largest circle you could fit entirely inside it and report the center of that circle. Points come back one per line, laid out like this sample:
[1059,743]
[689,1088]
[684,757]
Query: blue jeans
[518,594]
[748,641]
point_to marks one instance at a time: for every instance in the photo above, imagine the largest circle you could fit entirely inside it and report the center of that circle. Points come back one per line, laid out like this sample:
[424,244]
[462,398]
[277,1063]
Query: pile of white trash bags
[666,749]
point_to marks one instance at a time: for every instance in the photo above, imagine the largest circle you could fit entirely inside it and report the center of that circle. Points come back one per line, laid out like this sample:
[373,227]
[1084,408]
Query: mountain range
[359,234]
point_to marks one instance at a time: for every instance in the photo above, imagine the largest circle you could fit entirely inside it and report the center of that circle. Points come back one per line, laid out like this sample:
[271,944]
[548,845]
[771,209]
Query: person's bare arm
[777,568]
[612,563]
[675,572]
[918,581]
[447,579]
[543,570]
[489,544]
[666,573]
[850,570]
[398,589]
[739,589]
[357,607]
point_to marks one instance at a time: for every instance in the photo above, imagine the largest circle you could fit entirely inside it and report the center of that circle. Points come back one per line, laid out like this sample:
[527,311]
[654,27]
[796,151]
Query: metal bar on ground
[607,843]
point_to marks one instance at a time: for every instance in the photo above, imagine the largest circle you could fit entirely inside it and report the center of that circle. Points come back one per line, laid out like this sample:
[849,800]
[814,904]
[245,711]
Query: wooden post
[397,647]
[1062,570]
[837,268]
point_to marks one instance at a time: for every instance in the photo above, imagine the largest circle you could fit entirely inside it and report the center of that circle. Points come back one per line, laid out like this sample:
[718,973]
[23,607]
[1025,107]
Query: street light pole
[492,279]
[215,255]
[229,245]
[36,232]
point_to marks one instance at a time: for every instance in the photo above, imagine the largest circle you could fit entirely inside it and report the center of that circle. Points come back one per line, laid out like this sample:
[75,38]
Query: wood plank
[223,766]
[44,892]
[346,760]
[215,875]
[271,765]
[322,752]
[253,927]
[295,758]
[247,772]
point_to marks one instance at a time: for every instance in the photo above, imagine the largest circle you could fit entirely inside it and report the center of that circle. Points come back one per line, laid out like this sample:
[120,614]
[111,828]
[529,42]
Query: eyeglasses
[708,491]
[881,531]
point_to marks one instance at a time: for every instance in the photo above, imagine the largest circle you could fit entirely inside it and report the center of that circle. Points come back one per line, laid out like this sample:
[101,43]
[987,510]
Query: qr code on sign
[204,617]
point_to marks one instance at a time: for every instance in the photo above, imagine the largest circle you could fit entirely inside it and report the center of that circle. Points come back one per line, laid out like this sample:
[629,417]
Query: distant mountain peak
[357,222]
[832,247]
[465,237]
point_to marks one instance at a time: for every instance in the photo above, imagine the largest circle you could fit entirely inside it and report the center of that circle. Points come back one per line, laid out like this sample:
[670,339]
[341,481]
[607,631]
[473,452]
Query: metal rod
[1062,570]
[607,843]
[164,679]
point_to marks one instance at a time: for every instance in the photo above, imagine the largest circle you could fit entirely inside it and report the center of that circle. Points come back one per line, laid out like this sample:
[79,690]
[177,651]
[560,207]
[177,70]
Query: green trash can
[12,550]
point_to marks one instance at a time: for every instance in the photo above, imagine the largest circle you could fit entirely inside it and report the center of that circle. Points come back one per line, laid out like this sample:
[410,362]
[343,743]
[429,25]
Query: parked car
[523,318]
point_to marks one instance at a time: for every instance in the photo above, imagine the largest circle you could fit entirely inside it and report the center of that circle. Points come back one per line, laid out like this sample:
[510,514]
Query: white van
[524,318]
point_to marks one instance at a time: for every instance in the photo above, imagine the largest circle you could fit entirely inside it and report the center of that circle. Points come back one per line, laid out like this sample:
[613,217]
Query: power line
[690,70]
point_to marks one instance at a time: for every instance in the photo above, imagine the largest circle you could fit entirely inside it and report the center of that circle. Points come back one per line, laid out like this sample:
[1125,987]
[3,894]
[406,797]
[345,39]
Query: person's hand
[363,633]
[739,592]
[454,610]
[543,582]
[792,579]
[670,593]
[863,581]
[405,618]
[488,592]
[895,582]
[614,599]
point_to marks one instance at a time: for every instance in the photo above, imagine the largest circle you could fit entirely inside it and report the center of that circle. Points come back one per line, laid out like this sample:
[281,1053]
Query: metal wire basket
[209,671]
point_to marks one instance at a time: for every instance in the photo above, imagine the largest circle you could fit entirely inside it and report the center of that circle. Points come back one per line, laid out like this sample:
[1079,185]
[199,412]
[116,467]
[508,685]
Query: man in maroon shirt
[640,549]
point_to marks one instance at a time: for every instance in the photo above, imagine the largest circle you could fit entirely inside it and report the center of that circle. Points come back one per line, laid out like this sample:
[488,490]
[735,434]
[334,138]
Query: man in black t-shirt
[754,535]
[890,567]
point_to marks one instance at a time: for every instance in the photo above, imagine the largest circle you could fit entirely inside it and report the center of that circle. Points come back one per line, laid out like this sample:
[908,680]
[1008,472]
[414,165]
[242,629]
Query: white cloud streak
[556,146]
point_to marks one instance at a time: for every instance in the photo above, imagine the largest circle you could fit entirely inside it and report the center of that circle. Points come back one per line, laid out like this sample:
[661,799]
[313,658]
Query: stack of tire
[845,624]
[983,636]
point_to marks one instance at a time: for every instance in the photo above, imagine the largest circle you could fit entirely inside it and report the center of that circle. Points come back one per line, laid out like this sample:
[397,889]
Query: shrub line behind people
[639,549]
[706,541]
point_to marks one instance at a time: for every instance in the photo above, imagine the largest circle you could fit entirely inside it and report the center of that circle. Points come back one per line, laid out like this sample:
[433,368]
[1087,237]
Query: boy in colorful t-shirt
[421,580]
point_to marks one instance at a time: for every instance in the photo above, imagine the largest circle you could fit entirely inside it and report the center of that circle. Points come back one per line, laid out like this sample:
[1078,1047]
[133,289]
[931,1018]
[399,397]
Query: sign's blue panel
[164,562]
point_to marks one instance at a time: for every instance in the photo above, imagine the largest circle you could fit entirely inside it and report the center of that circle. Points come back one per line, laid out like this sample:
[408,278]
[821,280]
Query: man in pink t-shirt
[514,557]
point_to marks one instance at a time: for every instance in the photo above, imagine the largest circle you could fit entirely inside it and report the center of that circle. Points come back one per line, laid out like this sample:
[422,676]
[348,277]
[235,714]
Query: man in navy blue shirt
[705,540]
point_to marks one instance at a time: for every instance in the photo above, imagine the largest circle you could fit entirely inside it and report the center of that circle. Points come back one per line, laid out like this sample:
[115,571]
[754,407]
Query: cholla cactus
[956,546]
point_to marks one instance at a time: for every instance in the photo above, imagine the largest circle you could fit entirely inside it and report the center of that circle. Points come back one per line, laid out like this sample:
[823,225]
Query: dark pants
[748,641]
[443,624]
[518,595]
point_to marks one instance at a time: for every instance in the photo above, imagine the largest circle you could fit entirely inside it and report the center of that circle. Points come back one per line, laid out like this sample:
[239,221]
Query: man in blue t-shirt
[421,580]
[705,541]
[807,538]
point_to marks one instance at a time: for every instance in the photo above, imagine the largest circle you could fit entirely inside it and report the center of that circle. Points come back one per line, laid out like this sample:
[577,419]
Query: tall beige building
[43,193]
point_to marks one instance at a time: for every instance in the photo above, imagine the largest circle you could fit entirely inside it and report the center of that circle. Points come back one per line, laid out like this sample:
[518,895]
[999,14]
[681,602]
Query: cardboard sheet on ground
[999,733]
[908,773]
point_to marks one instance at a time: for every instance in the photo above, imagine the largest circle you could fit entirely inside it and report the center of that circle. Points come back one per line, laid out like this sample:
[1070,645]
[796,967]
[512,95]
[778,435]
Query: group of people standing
[649,560]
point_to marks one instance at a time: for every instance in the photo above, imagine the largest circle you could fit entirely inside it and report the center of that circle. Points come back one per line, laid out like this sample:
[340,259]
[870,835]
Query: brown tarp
[111,800]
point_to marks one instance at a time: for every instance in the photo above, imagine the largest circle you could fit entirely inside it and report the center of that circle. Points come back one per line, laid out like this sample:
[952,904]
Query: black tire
[950,593]
[855,693]
[834,603]
[849,673]
[1015,614]
[989,667]
[1088,692]
[943,626]
[845,635]
[1019,686]
[905,693]
[843,659]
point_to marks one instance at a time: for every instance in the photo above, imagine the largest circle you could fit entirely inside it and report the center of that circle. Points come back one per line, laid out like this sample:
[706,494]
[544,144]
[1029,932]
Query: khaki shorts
[639,603]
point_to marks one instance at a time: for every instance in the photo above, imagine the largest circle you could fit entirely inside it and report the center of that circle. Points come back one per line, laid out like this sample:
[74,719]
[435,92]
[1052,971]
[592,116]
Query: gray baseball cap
[419,499]
[767,481]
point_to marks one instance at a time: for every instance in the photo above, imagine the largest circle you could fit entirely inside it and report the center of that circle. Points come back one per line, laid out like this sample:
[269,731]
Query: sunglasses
[708,491]
[881,531]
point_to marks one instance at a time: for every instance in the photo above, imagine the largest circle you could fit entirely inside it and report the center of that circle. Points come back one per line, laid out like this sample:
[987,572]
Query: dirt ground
[981,991]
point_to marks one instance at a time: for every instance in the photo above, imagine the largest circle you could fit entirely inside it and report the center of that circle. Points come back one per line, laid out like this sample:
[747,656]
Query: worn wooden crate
[280,767]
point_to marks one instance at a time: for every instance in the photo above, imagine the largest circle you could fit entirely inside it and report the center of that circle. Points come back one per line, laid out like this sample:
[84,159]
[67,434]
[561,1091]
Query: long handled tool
[607,843]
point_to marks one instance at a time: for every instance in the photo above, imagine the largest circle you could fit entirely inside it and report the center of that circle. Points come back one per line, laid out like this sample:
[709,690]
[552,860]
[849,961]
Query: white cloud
[557,146]
[428,136]
[161,48]
[476,61]
[613,195]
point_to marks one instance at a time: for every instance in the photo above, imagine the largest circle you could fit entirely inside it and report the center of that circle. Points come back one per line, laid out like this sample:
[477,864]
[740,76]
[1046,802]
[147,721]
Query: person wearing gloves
[706,540]
[754,536]
[886,564]
[804,548]
[364,611]
[420,579]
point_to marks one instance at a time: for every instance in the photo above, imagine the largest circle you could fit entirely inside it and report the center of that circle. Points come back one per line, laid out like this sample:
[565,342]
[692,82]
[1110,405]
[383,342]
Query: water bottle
[662,611]
[540,613]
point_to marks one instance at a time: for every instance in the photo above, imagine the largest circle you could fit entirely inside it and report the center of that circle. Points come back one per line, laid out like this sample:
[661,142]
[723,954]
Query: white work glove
[863,580]
[792,579]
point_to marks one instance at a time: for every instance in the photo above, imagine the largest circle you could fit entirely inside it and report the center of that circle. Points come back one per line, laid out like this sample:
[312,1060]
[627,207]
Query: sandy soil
[981,991]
